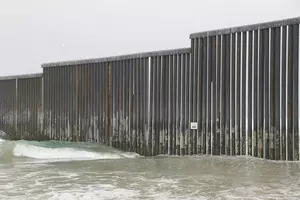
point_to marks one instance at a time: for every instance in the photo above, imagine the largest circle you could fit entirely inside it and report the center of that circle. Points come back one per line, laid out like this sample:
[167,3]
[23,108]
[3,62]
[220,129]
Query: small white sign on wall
[194,125]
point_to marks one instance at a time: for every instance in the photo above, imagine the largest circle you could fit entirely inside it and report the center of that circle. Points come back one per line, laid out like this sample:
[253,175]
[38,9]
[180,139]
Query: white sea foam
[37,152]
[129,154]
[10,149]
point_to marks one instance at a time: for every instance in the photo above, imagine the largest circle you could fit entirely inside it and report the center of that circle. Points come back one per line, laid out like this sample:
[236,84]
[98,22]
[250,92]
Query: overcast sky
[40,31]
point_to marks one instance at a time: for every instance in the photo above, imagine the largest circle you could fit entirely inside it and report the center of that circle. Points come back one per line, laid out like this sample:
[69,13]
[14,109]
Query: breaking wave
[33,150]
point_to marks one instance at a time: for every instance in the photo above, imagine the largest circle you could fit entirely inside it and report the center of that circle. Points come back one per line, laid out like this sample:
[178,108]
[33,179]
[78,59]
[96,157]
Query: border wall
[250,89]
[21,106]
[118,101]
[234,92]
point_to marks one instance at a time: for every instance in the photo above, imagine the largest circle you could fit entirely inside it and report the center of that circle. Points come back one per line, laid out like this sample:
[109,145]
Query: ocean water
[66,170]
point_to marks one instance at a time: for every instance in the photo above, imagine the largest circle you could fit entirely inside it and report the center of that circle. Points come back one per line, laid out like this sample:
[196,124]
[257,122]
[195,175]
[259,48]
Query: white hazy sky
[33,32]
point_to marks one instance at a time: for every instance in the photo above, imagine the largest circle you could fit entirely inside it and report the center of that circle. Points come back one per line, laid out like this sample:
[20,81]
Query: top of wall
[117,58]
[246,28]
[36,75]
